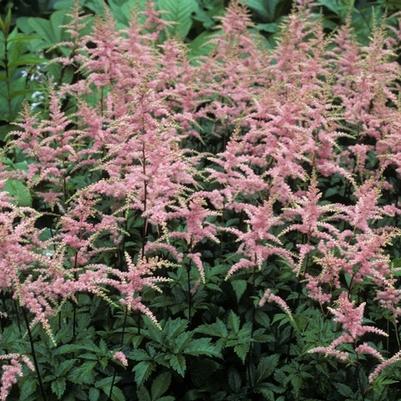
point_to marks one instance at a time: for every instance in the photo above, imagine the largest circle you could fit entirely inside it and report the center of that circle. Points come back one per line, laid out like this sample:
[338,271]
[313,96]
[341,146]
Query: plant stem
[35,360]
[74,306]
[250,354]
[397,336]
[189,292]
[17,316]
[7,72]
[121,345]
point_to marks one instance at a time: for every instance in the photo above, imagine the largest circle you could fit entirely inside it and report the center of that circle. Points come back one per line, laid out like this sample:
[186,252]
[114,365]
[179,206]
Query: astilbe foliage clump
[127,192]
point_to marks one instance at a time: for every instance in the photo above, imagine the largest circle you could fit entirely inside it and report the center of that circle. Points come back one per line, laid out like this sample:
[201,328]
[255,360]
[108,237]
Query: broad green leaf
[178,363]
[26,59]
[83,374]
[202,45]
[344,390]
[28,388]
[116,394]
[266,367]
[94,394]
[242,350]
[233,322]
[217,329]
[143,394]
[58,387]
[64,367]
[202,346]
[142,372]
[239,287]
[19,191]
[160,385]
[179,13]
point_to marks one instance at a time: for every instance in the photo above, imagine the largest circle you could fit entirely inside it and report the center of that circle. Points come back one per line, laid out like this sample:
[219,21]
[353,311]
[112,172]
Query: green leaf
[28,389]
[26,59]
[19,191]
[396,263]
[43,29]
[178,363]
[94,394]
[179,13]
[160,385]
[84,374]
[233,322]
[116,395]
[266,367]
[64,367]
[242,350]
[142,372]
[201,346]
[344,390]
[58,387]
[234,380]
[143,394]
[201,45]
[239,287]
[217,329]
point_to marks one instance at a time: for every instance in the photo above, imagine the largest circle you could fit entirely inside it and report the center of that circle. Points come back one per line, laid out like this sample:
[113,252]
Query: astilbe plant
[125,182]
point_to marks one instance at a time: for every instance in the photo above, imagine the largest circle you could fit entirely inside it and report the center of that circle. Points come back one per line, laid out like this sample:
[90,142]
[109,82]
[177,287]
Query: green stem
[121,345]
[35,360]
[8,87]
[397,335]
[189,292]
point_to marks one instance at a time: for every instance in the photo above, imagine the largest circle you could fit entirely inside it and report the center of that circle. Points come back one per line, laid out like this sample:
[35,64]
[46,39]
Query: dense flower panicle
[384,364]
[269,297]
[258,243]
[367,349]
[12,372]
[350,318]
[130,283]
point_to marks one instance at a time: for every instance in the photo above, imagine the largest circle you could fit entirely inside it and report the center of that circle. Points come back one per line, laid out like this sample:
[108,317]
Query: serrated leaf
[344,390]
[242,350]
[201,346]
[64,367]
[116,394]
[160,385]
[217,329]
[58,387]
[94,394]
[83,374]
[142,372]
[27,389]
[178,363]
[233,322]
[266,367]
[239,287]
